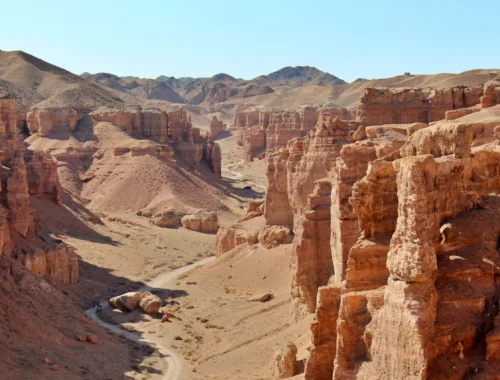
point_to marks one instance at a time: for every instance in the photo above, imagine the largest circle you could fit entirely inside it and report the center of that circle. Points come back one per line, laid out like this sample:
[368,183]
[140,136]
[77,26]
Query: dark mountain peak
[299,75]
[222,77]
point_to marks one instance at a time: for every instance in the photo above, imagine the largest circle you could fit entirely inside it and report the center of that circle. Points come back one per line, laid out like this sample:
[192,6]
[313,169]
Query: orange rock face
[48,120]
[216,126]
[416,293]
[411,105]
[265,130]
[25,174]
[172,128]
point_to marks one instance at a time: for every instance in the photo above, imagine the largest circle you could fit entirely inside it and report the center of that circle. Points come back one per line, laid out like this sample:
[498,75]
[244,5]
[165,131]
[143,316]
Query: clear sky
[350,38]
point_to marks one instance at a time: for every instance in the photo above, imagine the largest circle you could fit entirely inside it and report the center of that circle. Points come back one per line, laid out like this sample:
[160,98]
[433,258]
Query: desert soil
[219,333]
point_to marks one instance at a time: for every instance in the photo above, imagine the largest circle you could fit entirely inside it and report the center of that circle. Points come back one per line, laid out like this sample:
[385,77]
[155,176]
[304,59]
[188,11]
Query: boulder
[126,302]
[150,303]
[262,297]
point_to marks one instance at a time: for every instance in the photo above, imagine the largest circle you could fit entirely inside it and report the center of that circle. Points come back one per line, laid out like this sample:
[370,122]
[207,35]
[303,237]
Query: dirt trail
[175,363]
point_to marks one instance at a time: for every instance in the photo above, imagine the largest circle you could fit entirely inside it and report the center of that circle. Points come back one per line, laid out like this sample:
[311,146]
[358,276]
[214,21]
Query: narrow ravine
[174,362]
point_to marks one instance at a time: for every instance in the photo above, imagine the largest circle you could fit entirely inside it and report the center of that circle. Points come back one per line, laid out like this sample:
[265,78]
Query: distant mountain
[35,81]
[142,88]
[216,89]
[299,75]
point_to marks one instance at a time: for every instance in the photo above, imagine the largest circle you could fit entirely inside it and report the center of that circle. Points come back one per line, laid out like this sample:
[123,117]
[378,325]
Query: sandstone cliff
[172,128]
[24,174]
[391,248]
[417,292]
[267,130]
[413,105]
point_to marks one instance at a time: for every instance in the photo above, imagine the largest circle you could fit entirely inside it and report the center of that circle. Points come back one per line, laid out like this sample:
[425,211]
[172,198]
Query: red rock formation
[45,121]
[411,105]
[130,121]
[254,209]
[324,335]
[216,126]
[253,141]
[24,173]
[416,296]
[173,128]
[271,130]
[205,222]
[246,117]
[277,210]
[491,94]
[41,174]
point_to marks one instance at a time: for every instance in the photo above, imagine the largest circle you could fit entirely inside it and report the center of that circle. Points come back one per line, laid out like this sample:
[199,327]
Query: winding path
[175,363]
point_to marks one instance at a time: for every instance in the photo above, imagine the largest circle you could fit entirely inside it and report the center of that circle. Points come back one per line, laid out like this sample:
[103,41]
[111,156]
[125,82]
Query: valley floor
[219,332]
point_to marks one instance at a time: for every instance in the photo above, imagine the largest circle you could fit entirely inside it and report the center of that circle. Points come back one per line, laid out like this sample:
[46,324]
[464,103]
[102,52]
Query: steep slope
[54,85]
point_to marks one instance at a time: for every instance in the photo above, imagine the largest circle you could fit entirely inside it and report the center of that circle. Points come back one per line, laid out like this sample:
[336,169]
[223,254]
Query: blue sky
[350,39]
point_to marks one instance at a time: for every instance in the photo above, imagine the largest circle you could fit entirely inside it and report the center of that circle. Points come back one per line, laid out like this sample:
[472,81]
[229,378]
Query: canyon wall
[25,174]
[173,128]
[266,130]
[395,226]
[45,121]
[416,294]
[413,105]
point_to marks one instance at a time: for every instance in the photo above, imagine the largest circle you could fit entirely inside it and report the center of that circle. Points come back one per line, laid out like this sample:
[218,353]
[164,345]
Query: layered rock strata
[24,174]
[413,105]
[173,128]
[268,130]
[418,293]
[46,121]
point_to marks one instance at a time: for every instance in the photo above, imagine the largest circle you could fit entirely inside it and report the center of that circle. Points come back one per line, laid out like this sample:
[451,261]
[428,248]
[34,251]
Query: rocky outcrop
[231,237]
[166,218]
[205,222]
[246,117]
[42,177]
[324,335]
[150,303]
[271,129]
[254,209]
[416,295]
[126,302]
[277,209]
[285,357]
[216,126]
[173,128]
[274,236]
[252,231]
[253,141]
[491,94]
[413,105]
[24,174]
[45,121]
[212,154]
[56,263]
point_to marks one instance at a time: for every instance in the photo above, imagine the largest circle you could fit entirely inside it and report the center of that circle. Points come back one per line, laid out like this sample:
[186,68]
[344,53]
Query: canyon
[353,236]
